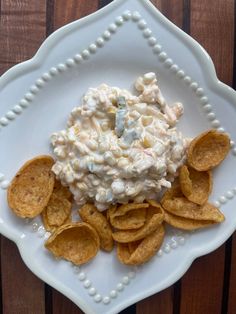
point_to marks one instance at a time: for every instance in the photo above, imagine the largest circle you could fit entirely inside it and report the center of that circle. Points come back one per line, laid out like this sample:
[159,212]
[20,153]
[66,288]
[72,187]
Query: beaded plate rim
[11,115]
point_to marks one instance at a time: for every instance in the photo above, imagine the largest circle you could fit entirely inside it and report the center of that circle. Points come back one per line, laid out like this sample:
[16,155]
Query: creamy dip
[119,147]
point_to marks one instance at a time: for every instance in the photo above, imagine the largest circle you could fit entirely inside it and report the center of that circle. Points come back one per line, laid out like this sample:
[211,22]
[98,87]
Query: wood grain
[202,285]
[62,305]
[22,291]
[211,24]
[161,302]
[158,4]
[232,273]
[22,28]
[70,10]
[173,10]
[232,282]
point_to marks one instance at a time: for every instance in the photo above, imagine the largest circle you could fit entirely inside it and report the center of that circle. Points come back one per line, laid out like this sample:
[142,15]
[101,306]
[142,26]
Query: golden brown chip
[185,223]
[155,204]
[75,242]
[208,150]
[142,251]
[56,213]
[31,187]
[174,191]
[133,219]
[97,220]
[123,209]
[128,216]
[51,228]
[186,183]
[110,212]
[153,219]
[123,252]
[133,245]
[195,185]
[62,191]
[181,206]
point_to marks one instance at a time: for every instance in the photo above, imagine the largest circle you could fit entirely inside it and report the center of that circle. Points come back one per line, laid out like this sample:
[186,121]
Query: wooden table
[209,286]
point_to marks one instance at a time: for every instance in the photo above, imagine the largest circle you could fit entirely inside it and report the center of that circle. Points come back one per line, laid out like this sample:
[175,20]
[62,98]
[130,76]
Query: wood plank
[172,9]
[103,3]
[22,291]
[158,4]
[65,12]
[161,302]
[164,301]
[202,285]
[22,31]
[211,25]
[68,11]
[62,305]
[232,279]
[232,283]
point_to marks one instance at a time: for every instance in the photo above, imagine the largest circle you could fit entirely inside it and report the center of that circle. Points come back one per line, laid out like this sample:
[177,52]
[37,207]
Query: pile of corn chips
[137,229]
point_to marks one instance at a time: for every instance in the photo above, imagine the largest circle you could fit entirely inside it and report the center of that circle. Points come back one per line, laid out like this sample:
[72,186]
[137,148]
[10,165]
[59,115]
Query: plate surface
[114,45]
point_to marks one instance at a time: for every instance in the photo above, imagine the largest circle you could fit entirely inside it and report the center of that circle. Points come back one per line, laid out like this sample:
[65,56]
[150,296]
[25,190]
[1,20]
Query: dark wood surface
[209,286]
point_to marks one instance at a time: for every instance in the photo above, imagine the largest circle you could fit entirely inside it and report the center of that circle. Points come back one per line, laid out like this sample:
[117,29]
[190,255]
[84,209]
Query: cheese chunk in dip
[120,147]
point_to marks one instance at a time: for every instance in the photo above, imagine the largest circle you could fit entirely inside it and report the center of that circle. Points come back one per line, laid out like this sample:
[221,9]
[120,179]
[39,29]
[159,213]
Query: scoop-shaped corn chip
[155,204]
[75,242]
[174,191]
[140,252]
[107,212]
[128,216]
[195,185]
[56,213]
[185,223]
[62,191]
[208,150]
[186,183]
[110,212]
[125,208]
[153,219]
[134,219]
[31,188]
[132,245]
[97,220]
[180,206]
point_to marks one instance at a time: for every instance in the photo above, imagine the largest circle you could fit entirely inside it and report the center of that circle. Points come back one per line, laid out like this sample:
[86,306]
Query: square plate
[114,45]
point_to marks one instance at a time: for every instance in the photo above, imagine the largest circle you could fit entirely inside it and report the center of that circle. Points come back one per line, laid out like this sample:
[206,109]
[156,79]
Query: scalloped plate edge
[36,62]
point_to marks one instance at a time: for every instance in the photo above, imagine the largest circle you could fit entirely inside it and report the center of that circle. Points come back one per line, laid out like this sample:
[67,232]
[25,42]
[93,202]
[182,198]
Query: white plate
[114,45]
